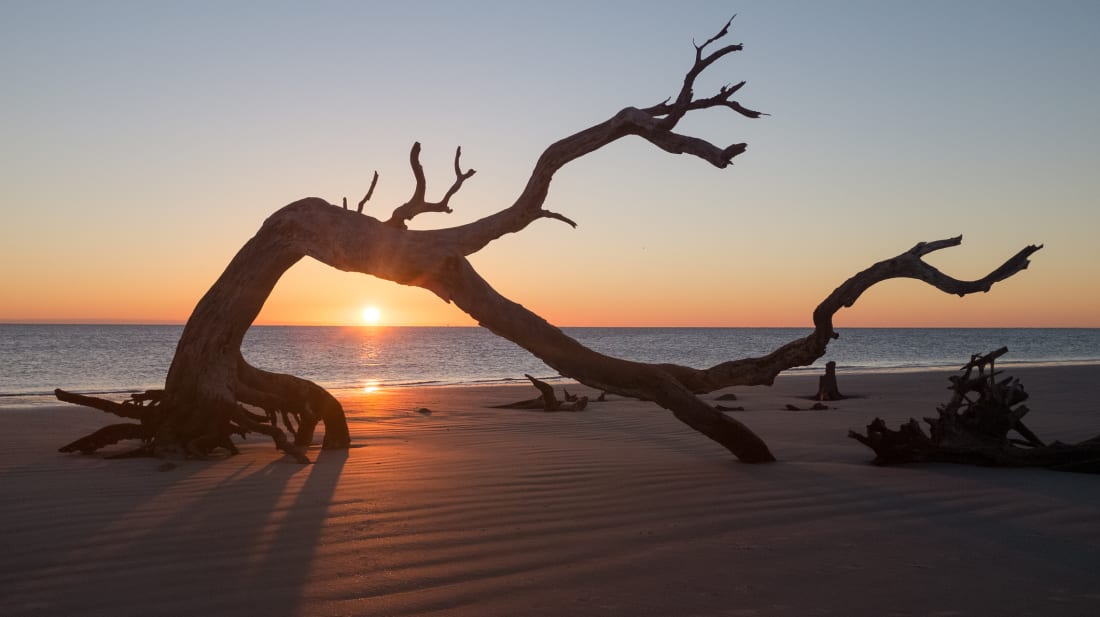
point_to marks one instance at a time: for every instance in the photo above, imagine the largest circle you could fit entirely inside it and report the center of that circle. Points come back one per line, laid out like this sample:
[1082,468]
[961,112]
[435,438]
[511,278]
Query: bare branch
[682,105]
[721,33]
[554,215]
[460,177]
[910,265]
[472,237]
[370,191]
[721,99]
[804,351]
[654,124]
[418,173]
[416,205]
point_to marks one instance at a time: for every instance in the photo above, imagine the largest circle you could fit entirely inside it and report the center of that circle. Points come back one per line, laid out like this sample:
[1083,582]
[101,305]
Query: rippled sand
[617,510]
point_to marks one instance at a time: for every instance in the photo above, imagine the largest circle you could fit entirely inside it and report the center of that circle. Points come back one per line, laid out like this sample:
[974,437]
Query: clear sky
[144,142]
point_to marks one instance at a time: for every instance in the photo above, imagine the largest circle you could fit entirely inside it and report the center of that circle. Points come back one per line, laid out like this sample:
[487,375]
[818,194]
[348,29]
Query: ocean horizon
[113,360]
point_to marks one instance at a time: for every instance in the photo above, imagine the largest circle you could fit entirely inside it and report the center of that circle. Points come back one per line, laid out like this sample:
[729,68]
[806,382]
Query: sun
[372,315]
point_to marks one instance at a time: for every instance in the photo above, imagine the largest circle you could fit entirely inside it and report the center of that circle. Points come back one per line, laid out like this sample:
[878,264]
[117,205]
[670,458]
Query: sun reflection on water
[372,386]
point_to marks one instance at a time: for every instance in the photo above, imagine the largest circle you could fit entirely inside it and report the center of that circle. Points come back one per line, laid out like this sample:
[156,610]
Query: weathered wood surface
[547,400]
[827,389]
[976,427]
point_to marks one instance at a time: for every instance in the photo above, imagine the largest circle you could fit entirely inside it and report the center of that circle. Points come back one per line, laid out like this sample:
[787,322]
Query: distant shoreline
[117,359]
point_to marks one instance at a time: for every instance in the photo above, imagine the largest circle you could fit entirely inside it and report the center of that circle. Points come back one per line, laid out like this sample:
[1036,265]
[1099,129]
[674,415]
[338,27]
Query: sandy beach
[617,510]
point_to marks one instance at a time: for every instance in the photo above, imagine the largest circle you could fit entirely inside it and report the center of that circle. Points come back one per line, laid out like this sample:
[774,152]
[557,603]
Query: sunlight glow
[371,315]
[371,386]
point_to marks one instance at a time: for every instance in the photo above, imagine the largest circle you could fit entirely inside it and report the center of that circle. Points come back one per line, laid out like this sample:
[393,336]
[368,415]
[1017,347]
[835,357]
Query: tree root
[976,432]
[107,436]
[169,427]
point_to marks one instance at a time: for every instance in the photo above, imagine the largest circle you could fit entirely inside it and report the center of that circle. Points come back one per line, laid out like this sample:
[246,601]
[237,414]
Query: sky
[145,142]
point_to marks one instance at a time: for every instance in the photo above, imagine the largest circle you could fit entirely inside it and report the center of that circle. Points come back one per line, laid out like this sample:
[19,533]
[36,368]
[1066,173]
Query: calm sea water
[114,359]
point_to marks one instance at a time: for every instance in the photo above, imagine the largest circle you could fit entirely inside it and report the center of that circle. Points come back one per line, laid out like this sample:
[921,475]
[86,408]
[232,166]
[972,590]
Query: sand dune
[617,510]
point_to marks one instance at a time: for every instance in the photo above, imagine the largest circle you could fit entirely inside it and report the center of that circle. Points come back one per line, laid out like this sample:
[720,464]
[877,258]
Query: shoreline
[39,400]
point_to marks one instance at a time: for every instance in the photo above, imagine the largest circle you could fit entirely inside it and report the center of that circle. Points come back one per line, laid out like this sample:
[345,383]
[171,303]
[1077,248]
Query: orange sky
[137,163]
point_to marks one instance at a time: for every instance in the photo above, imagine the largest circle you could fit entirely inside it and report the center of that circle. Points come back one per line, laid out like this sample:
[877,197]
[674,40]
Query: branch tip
[721,33]
[554,215]
[370,191]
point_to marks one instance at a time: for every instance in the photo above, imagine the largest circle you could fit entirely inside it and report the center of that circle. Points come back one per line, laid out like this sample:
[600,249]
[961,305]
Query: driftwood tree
[975,428]
[210,388]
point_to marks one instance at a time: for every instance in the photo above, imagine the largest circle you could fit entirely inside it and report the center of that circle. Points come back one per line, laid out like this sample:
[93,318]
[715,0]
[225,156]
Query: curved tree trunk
[209,381]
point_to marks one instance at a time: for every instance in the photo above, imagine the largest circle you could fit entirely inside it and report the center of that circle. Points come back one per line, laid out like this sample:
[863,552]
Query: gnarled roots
[201,421]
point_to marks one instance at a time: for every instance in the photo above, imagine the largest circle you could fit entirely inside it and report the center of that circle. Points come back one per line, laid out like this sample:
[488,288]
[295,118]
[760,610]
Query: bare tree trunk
[209,382]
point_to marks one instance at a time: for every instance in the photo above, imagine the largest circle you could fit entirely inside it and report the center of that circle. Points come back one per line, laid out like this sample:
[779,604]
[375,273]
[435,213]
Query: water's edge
[114,360]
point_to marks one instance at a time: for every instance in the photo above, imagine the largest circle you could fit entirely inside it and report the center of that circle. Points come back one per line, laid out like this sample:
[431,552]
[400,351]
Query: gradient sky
[145,142]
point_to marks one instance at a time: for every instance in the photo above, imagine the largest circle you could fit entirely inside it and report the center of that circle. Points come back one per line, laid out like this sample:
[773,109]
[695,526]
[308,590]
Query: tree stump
[826,385]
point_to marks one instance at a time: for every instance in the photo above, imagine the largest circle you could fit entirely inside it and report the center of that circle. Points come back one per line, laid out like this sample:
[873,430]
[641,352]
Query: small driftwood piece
[546,400]
[827,389]
[976,431]
[814,407]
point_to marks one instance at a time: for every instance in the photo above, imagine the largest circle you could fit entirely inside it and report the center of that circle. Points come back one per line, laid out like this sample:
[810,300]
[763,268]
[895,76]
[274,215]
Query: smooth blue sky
[144,142]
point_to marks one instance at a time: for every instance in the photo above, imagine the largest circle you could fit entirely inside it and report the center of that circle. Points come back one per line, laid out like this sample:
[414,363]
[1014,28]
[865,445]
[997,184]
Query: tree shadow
[220,537]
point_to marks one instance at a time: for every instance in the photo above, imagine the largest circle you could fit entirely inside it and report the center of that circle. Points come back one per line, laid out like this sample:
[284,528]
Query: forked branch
[804,351]
[417,204]
[653,124]
[685,101]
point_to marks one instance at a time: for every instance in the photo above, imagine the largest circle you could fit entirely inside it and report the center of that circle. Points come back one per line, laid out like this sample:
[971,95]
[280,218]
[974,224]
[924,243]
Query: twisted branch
[653,124]
[804,351]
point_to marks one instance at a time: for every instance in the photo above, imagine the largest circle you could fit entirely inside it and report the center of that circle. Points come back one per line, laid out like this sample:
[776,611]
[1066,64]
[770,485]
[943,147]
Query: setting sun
[371,315]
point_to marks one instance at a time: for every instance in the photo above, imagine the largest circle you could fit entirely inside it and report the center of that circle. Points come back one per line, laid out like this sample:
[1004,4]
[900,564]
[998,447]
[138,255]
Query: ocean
[113,360]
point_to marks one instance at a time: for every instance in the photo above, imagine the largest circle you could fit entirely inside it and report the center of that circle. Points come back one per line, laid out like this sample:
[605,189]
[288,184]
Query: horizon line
[64,322]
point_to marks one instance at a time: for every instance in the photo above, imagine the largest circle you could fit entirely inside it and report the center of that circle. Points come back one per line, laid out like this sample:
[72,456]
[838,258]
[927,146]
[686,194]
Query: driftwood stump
[977,430]
[827,389]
